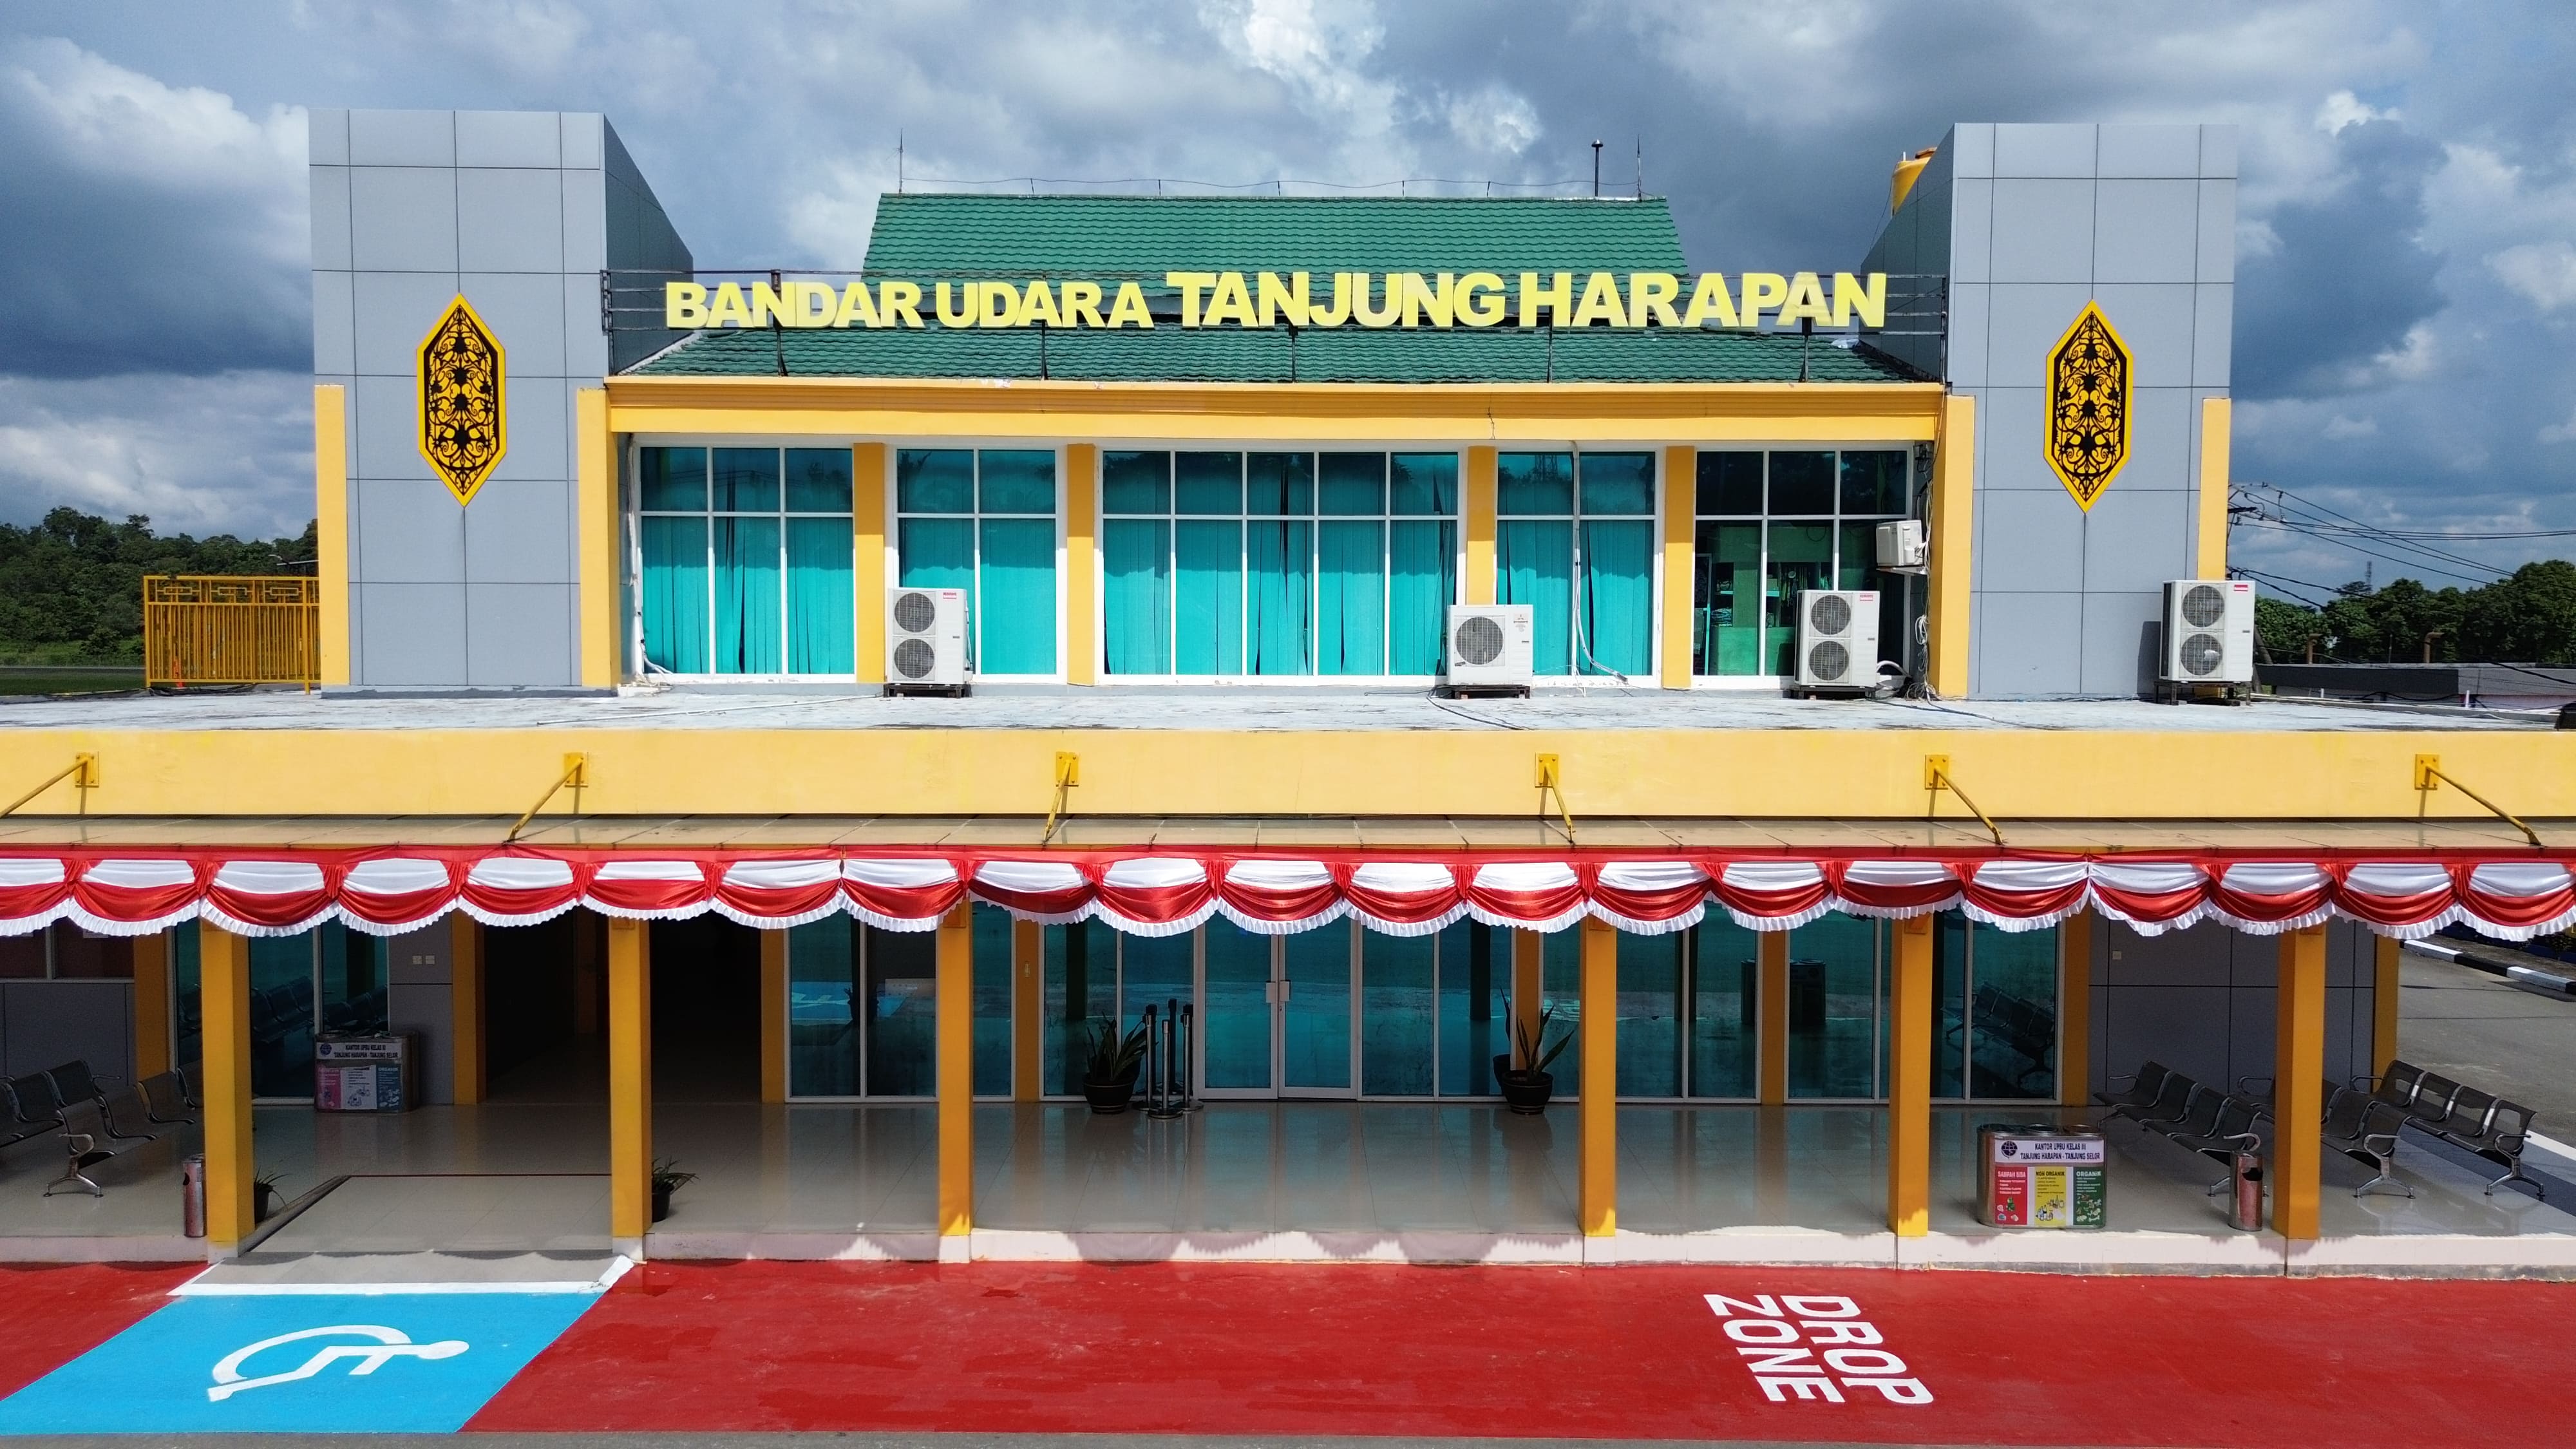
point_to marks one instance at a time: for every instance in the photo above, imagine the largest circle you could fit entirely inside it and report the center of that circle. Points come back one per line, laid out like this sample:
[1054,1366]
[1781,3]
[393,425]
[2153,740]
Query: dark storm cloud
[2348,275]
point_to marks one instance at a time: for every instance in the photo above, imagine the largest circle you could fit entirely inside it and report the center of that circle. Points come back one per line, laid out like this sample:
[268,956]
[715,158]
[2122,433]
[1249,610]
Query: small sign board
[2041,1177]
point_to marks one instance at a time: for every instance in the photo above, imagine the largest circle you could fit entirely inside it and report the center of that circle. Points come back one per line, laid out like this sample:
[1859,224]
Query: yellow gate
[230,629]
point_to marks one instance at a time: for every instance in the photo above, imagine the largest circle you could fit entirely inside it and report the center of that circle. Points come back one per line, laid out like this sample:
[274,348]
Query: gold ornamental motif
[2088,406]
[462,427]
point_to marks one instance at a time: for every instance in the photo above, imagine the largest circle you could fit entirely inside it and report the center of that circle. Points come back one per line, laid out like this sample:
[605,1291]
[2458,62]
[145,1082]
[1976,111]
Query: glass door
[1316,996]
[1275,1012]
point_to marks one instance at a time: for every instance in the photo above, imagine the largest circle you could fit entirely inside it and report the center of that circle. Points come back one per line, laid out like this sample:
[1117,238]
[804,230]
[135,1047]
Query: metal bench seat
[74,1083]
[2238,1127]
[2143,1091]
[26,1116]
[86,1144]
[2365,1128]
[165,1099]
[2495,1130]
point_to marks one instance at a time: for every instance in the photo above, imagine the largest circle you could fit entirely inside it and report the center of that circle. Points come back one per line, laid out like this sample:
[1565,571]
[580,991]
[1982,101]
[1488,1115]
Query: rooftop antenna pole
[1641,165]
[1596,170]
[898,163]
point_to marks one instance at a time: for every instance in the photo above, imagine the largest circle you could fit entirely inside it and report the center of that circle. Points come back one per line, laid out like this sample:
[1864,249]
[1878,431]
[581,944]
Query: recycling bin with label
[366,1073]
[2032,1175]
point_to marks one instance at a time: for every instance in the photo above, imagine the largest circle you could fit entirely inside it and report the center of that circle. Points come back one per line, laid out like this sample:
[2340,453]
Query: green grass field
[68,678]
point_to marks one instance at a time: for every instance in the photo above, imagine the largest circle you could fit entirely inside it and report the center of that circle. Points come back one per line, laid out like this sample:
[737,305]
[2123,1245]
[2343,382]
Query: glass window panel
[1475,976]
[902,1019]
[1207,483]
[1802,556]
[353,982]
[1619,483]
[1157,971]
[1280,609]
[1015,597]
[281,1015]
[1016,480]
[22,958]
[675,594]
[1618,597]
[1949,1004]
[992,928]
[747,625]
[1350,589]
[821,613]
[746,480]
[1535,483]
[2014,1013]
[1534,565]
[1279,485]
[1351,484]
[1833,1008]
[1857,556]
[80,956]
[1560,996]
[818,480]
[1207,593]
[1136,482]
[1423,484]
[1730,483]
[1080,986]
[934,480]
[1724,1009]
[1395,1015]
[936,553]
[1650,1015]
[1136,571]
[187,1003]
[1234,1015]
[1874,482]
[822,1009]
[1315,1020]
[1422,583]
[1726,594]
[673,480]
[1802,483]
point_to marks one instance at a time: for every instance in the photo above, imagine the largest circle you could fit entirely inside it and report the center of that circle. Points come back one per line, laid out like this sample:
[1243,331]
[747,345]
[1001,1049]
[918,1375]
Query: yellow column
[1681,512]
[773,1016]
[1529,980]
[331,530]
[1081,484]
[1771,1006]
[868,577]
[2075,1008]
[1952,532]
[2298,1083]
[955,989]
[465,1007]
[2385,951]
[223,978]
[1028,1009]
[1600,1104]
[603,632]
[1480,526]
[630,1084]
[2216,417]
[152,1005]
[1909,1085]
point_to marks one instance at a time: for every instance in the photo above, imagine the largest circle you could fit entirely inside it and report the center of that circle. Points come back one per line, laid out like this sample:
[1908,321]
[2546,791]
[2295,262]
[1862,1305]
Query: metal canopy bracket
[2429,778]
[576,775]
[1551,782]
[1936,778]
[82,772]
[1068,774]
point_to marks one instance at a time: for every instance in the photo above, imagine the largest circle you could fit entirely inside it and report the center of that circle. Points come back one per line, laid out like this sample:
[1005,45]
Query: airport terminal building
[781,722]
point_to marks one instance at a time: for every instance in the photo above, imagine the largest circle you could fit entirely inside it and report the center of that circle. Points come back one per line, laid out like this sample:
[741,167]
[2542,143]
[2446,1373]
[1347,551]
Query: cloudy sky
[2408,238]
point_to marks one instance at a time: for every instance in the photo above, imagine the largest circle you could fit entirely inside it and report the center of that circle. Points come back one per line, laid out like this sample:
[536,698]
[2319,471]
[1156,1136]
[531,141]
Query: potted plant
[1109,1076]
[263,1196]
[1523,1071]
[667,1176]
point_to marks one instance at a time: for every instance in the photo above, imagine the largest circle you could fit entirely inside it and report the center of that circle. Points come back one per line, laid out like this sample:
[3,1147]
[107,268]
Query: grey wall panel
[402,219]
[583,149]
[334,325]
[2024,324]
[1972,229]
[2199,956]
[520,635]
[388,425]
[2252,1043]
[47,1023]
[2120,640]
[2036,542]
[2185,1027]
[2043,231]
[402,138]
[1969,305]
[2214,235]
[2130,538]
[2156,321]
[2146,231]
[392,313]
[2136,150]
[525,312]
[509,138]
[520,533]
[326,136]
[1972,148]
[540,431]
[2031,642]
[2008,433]
[585,345]
[415,633]
[415,532]
[2161,459]
[509,221]
[2212,335]
[328,187]
[585,221]
[2218,151]
[2045,150]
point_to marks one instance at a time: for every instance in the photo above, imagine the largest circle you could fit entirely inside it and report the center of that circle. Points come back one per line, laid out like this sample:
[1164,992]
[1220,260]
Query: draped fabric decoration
[128,892]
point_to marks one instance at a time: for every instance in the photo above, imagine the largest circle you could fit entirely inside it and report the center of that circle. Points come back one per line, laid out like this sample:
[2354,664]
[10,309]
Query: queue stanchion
[1153,1061]
[1189,1059]
[1166,1103]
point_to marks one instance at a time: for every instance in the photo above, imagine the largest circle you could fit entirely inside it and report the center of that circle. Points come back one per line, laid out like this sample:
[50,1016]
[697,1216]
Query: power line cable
[2372,530]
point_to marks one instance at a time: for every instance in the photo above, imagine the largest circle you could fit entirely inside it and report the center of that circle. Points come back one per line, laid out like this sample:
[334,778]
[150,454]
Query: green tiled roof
[1231,354]
[1144,236]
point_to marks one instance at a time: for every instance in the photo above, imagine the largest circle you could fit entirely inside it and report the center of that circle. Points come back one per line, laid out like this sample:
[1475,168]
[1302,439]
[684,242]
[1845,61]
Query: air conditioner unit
[925,641]
[1837,639]
[1902,547]
[2209,632]
[1490,646]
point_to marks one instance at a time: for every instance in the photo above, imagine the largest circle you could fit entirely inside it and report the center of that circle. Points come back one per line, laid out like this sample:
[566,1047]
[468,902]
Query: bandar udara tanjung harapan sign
[1299,299]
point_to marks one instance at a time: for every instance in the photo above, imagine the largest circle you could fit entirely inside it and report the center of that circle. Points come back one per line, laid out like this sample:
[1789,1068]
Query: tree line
[2528,617]
[71,585]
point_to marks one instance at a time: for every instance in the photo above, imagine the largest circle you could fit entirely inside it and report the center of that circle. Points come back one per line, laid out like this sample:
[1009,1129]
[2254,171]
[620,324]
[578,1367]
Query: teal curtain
[1618,595]
[747,632]
[1136,566]
[821,619]
[1207,587]
[1351,597]
[1015,481]
[1281,613]
[673,480]
[818,480]
[1534,565]
[1421,560]
[675,594]
[939,553]
[1016,595]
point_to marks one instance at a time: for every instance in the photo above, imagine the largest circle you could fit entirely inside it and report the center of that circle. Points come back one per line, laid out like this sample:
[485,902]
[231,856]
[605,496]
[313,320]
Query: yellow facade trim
[152,1004]
[1081,488]
[1771,1005]
[465,1006]
[2386,952]
[2075,1008]
[2217,417]
[2298,1094]
[1952,529]
[1599,1107]
[1028,1010]
[223,979]
[630,1083]
[597,509]
[868,577]
[331,528]
[1479,503]
[1909,1080]
[1681,514]
[954,1073]
[773,1016]
[2026,775]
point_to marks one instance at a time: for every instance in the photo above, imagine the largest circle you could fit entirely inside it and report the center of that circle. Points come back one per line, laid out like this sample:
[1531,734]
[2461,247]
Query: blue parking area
[298,1363]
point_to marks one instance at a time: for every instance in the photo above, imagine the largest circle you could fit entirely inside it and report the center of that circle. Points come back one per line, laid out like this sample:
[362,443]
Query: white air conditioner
[925,640]
[1490,646]
[1837,639]
[2209,632]
[1902,548]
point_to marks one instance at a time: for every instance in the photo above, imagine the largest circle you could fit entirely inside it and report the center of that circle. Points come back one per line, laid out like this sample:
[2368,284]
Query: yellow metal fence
[230,629]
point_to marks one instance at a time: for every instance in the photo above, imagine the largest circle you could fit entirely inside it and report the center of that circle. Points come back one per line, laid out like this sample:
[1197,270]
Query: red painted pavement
[51,1315]
[1624,1352]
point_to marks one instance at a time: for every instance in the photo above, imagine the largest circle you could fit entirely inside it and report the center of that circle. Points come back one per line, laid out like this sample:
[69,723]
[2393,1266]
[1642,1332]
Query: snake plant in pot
[1109,1075]
[1523,1073]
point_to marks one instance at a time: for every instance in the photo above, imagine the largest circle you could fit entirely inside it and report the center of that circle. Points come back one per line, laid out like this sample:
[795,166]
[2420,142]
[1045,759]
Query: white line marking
[197,1289]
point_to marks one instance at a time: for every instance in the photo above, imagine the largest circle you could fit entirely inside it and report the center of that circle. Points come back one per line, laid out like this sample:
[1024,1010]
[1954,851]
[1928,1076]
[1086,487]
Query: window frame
[632,513]
[896,447]
[1574,677]
[1833,523]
